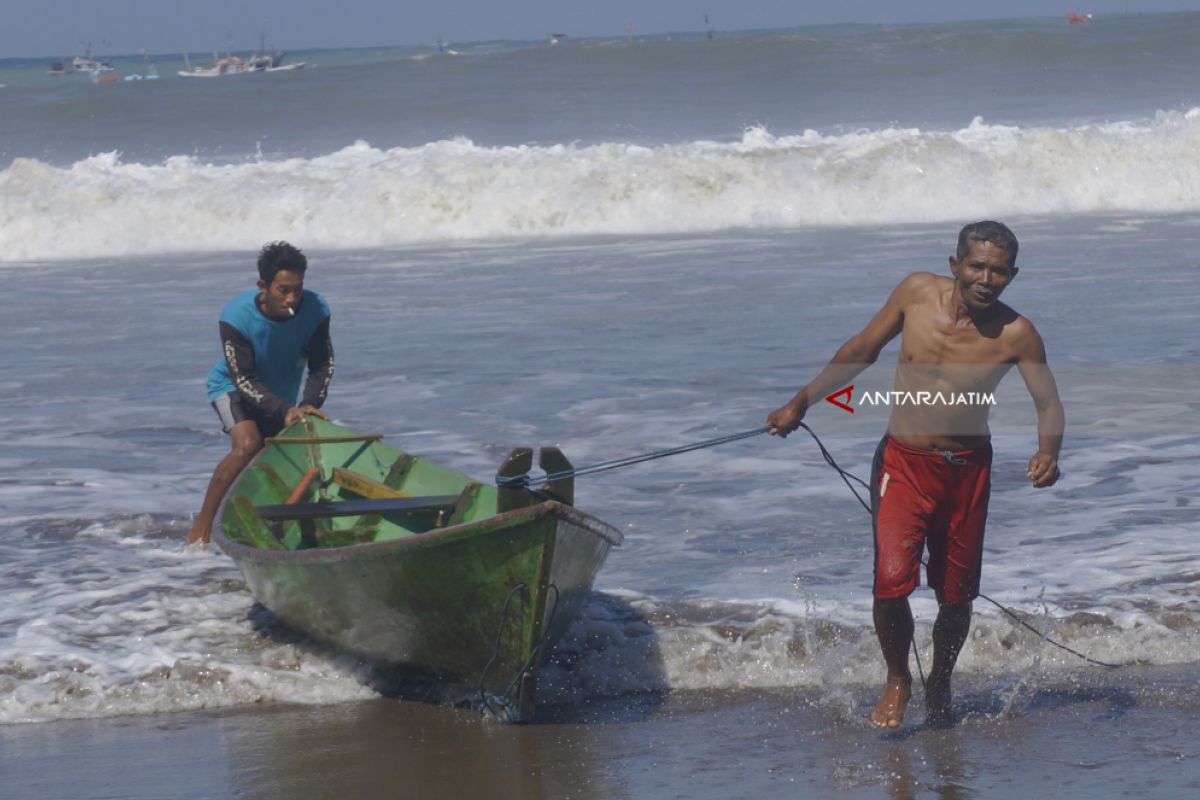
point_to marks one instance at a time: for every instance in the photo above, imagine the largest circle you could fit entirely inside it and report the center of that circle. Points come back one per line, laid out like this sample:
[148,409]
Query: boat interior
[312,491]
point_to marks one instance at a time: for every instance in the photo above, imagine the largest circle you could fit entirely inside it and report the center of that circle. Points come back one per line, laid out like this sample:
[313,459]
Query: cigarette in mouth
[291,311]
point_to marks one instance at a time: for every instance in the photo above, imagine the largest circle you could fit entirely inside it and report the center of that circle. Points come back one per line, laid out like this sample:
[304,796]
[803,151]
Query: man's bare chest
[933,338]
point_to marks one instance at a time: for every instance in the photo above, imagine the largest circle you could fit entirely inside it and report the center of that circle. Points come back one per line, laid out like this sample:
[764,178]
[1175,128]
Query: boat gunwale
[498,522]
[501,521]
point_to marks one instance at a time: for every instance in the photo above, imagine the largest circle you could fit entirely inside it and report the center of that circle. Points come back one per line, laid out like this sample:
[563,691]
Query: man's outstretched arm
[855,355]
[1051,420]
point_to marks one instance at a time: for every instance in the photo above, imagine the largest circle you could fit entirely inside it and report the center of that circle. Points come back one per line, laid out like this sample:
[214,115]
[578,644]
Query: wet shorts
[231,410]
[929,498]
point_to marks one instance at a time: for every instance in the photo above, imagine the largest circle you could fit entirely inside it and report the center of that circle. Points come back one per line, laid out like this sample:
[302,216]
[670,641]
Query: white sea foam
[109,631]
[627,642]
[449,190]
[108,640]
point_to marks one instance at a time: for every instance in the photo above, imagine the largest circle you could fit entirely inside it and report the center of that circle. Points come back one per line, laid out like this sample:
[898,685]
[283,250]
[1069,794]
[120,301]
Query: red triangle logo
[849,392]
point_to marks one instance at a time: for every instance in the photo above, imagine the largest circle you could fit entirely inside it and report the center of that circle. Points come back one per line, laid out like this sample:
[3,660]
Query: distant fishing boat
[236,65]
[93,66]
[229,65]
[400,561]
[86,64]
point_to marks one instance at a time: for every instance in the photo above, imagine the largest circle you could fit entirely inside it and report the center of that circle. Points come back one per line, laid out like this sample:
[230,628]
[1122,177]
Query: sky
[30,28]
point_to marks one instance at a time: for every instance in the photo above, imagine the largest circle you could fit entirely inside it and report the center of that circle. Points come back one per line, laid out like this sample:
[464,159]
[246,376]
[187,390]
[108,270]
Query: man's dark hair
[280,255]
[987,231]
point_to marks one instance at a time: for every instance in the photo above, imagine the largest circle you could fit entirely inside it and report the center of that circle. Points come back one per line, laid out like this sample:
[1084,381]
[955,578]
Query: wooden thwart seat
[348,508]
[362,485]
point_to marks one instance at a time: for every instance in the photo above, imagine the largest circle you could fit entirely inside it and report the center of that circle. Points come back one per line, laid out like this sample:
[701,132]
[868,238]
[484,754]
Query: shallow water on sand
[1077,739]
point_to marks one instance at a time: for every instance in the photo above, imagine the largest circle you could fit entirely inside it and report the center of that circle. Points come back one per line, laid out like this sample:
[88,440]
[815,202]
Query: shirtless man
[268,336]
[930,478]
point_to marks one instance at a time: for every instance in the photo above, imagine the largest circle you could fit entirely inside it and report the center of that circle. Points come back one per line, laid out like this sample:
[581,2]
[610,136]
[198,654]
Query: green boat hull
[473,599]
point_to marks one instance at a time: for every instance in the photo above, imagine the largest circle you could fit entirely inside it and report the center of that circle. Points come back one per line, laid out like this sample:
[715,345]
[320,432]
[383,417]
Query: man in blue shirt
[268,336]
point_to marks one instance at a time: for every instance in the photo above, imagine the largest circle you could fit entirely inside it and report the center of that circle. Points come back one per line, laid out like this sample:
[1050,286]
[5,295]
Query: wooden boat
[401,561]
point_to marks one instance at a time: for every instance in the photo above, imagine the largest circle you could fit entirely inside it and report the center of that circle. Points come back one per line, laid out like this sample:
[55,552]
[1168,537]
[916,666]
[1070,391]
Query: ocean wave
[455,190]
[632,643]
[138,625]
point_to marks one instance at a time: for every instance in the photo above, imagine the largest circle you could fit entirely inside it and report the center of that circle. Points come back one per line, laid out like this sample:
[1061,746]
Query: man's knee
[954,592]
[895,579]
[246,441]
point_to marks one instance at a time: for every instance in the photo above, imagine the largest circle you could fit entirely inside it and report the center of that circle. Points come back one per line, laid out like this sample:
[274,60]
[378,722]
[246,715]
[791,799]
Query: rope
[604,466]
[526,481]
[846,476]
[537,649]
[506,711]
[917,656]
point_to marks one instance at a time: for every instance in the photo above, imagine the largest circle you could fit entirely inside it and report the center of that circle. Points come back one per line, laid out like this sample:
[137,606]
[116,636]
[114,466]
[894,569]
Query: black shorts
[231,411]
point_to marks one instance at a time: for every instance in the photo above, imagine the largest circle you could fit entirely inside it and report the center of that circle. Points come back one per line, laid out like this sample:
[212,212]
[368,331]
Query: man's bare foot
[890,711]
[937,703]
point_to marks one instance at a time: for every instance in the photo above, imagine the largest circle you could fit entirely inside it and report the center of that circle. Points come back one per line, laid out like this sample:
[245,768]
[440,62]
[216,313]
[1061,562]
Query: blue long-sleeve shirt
[264,359]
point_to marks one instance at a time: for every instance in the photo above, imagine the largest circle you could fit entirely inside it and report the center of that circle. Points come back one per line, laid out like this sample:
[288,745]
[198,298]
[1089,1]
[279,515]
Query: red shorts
[929,498]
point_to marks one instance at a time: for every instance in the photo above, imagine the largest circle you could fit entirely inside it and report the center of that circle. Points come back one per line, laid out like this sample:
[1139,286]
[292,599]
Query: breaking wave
[455,190]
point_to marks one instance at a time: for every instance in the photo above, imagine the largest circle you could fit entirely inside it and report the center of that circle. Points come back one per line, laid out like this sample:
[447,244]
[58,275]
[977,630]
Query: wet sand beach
[1128,735]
